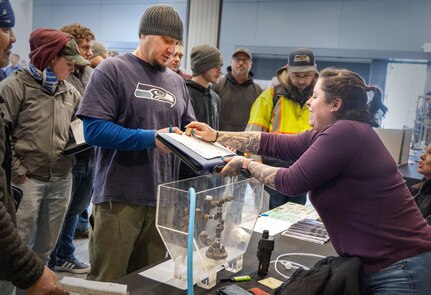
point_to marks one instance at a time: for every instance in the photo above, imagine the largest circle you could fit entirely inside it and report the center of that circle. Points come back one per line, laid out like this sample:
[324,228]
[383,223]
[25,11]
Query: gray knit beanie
[161,19]
[204,57]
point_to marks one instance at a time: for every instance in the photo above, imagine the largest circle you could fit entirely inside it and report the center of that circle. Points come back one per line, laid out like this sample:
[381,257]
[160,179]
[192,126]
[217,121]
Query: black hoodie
[205,102]
[236,101]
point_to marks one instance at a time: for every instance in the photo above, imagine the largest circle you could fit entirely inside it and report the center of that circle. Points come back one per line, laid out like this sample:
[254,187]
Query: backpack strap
[276,95]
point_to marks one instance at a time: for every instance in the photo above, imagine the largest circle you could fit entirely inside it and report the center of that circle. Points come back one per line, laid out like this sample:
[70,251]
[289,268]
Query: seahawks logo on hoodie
[155,93]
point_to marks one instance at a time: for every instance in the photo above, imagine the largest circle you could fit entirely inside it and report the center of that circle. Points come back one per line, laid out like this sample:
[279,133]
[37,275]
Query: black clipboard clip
[217,168]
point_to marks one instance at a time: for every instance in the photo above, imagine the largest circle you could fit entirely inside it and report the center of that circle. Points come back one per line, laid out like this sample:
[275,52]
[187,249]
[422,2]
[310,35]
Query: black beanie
[204,57]
[161,19]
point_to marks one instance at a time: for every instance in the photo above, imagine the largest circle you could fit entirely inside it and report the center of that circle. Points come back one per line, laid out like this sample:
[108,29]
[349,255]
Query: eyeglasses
[245,60]
[298,76]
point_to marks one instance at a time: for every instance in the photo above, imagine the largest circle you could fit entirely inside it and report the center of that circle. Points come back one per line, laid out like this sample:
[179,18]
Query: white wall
[333,28]
[110,20]
[113,22]
[358,28]
[405,83]
[203,26]
[23,10]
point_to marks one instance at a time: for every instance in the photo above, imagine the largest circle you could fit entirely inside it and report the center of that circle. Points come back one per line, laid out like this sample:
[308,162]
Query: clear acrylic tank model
[226,212]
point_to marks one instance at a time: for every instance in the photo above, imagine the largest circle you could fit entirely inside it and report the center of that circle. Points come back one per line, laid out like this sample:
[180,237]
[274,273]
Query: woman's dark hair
[352,90]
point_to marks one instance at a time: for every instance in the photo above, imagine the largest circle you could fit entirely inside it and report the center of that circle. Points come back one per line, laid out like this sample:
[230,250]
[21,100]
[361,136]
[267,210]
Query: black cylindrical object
[264,251]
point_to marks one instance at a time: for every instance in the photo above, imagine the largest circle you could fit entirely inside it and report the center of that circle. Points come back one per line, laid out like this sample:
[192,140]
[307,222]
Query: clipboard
[76,142]
[203,157]
[72,148]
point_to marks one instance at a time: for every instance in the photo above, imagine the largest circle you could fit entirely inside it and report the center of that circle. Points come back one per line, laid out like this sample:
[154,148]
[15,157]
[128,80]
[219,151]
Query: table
[139,285]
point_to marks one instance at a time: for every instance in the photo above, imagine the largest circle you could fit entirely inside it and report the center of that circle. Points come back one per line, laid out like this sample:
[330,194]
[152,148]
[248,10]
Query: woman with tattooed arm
[354,182]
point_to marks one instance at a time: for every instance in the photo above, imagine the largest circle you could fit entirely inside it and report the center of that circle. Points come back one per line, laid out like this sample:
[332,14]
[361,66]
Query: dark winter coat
[423,200]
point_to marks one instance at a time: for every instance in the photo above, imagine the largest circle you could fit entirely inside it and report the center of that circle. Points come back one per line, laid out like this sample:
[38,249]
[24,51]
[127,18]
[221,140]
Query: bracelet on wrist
[216,137]
[245,172]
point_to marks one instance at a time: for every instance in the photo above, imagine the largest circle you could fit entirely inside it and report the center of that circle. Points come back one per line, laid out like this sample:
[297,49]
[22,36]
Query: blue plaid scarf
[47,78]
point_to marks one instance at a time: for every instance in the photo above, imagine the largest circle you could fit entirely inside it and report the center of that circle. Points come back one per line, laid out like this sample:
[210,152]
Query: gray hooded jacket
[39,122]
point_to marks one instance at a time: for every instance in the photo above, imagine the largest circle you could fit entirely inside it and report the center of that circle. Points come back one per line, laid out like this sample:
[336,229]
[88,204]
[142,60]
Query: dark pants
[124,239]
[276,198]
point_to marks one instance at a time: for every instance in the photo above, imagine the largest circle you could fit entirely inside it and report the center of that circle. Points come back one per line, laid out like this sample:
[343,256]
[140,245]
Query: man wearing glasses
[237,92]
[282,109]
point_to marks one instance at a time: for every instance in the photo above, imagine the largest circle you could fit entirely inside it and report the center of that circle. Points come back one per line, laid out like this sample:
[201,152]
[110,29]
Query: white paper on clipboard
[208,150]
[77,127]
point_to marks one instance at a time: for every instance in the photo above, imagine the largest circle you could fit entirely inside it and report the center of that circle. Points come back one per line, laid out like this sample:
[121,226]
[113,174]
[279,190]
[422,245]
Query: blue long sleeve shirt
[110,135]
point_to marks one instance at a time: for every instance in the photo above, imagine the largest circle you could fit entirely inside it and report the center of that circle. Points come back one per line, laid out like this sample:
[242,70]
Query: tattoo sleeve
[263,173]
[243,141]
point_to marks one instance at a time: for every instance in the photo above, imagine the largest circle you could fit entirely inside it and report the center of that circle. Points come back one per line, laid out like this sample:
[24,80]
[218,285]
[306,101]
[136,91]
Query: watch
[245,172]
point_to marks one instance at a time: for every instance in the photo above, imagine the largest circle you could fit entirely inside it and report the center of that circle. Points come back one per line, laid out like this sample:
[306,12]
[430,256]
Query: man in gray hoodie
[237,91]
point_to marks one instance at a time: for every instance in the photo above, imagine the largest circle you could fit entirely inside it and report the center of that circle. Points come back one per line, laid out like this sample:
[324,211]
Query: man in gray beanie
[127,99]
[203,58]
[162,20]
[206,62]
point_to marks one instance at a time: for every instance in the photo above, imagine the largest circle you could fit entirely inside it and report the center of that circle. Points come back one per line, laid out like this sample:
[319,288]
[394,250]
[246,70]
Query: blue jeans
[83,221]
[83,173]
[407,276]
[41,213]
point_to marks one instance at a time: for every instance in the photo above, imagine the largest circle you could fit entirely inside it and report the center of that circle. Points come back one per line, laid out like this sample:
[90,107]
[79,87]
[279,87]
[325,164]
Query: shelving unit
[422,129]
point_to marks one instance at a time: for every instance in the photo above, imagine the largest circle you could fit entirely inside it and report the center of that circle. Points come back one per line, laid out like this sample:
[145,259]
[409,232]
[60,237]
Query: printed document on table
[207,150]
[281,218]
[274,226]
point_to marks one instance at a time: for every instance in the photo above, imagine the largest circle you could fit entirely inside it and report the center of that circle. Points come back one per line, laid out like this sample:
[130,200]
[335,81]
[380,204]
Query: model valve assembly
[216,249]
[264,251]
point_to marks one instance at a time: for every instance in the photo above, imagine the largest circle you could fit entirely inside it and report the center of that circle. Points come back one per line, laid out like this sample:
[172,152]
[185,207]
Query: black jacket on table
[329,276]
[18,264]
[423,200]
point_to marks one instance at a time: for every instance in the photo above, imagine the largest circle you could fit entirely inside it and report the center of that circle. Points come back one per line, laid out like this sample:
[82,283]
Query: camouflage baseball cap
[71,52]
[98,49]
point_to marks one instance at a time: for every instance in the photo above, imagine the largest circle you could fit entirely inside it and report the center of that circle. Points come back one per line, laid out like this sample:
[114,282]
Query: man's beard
[4,61]
[301,97]
[240,71]
[159,67]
